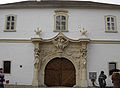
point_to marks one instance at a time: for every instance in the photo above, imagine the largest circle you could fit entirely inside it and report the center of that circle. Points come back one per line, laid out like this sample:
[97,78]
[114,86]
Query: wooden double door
[60,72]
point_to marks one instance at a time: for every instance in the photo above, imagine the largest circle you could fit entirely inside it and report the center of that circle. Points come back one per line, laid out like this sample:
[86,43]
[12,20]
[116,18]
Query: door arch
[60,72]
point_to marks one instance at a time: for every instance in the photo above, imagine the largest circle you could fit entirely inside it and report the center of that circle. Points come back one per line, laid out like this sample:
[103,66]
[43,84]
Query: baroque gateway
[58,48]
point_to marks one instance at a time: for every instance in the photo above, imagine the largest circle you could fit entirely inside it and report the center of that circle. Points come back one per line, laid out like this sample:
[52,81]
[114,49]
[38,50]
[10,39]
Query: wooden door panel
[68,78]
[60,72]
[67,65]
[54,65]
[52,78]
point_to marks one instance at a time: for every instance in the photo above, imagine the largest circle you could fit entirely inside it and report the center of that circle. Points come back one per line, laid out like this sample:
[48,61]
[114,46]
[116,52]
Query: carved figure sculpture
[37,31]
[83,63]
[36,60]
[83,32]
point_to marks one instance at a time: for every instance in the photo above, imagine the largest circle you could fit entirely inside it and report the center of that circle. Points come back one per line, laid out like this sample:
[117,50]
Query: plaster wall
[98,58]
[90,19]
[18,54]
[29,19]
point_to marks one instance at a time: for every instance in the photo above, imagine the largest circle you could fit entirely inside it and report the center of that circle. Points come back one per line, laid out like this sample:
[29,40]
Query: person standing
[116,80]
[1,78]
[101,80]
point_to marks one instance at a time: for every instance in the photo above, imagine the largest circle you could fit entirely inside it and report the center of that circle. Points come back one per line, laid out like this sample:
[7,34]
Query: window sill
[111,31]
[60,30]
[7,73]
[9,30]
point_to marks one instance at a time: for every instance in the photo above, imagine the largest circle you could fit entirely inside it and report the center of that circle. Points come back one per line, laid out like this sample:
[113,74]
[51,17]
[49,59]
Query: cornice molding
[30,41]
[15,40]
[105,41]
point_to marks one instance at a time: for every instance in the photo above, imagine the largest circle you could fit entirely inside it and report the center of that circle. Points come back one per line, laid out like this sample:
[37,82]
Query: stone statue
[83,65]
[37,59]
[83,32]
[37,31]
[101,80]
[36,63]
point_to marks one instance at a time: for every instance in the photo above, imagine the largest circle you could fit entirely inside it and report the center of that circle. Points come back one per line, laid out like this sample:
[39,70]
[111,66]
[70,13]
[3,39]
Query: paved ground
[22,86]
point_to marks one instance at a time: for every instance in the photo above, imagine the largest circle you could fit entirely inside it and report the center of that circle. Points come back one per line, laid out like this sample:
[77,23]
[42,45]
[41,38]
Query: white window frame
[61,13]
[10,23]
[110,24]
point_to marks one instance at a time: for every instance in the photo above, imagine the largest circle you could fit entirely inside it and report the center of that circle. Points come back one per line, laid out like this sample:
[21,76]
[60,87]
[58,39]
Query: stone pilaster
[83,50]
[35,81]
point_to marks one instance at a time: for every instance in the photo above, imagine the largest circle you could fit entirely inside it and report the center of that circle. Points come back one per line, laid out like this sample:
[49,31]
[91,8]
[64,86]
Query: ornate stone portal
[60,46]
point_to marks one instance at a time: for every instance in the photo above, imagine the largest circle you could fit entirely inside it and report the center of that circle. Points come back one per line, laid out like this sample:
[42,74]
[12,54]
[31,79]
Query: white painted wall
[29,19]
[99,56]
[18,54]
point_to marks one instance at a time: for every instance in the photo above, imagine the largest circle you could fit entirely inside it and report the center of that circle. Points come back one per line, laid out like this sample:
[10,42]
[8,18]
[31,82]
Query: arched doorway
[60,72]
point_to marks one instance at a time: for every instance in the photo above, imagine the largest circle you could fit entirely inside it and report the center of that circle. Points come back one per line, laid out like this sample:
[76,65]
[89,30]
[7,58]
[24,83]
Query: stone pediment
[60,36]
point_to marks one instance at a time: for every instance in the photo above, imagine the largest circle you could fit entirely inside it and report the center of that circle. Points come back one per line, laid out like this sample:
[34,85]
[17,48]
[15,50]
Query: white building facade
[18,41]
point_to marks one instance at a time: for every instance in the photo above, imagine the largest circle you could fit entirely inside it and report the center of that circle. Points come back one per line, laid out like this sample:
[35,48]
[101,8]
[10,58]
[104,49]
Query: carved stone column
[35,81]
[83,50]
[78,74]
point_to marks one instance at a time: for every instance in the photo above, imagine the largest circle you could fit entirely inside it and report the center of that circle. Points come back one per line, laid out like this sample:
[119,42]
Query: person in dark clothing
[116,79]
[101,80]
[1,78]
